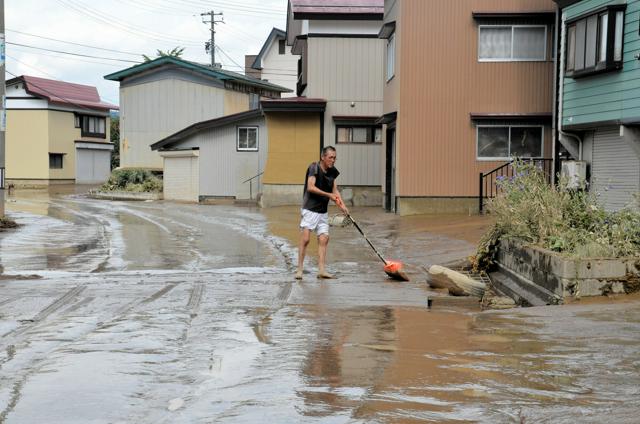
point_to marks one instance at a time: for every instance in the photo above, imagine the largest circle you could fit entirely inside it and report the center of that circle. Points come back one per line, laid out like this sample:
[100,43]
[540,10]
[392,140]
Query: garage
[615,170]
[93,162]
[181,175]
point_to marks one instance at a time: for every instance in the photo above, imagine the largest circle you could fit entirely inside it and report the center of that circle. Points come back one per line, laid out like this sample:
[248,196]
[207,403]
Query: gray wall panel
[347,71]
[154,110]
[222,168]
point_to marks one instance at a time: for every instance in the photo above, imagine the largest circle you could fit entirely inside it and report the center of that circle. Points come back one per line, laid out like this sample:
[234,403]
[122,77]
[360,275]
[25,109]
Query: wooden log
[457,283]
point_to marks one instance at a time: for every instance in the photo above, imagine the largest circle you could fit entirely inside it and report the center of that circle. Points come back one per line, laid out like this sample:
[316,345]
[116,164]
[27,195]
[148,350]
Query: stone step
[521,290]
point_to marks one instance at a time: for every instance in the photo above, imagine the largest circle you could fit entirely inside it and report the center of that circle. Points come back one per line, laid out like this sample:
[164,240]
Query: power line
[73,54]
[253,10]
[75,44]
[113,22]
[72,58]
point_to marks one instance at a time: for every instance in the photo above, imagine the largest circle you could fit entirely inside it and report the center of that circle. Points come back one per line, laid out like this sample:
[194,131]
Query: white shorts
[314,221]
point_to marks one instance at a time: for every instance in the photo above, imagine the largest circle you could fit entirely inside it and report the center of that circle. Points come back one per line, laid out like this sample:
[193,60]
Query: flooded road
[168,313]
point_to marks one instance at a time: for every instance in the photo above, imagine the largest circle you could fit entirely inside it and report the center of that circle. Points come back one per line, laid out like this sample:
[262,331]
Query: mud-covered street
[157,312]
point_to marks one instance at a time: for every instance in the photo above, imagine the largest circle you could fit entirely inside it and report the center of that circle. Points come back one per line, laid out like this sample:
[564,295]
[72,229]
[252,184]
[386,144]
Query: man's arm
[338,199]
[311,188]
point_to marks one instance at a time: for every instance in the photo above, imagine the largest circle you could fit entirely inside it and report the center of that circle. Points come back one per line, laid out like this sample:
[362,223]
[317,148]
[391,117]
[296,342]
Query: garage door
[615,171]
[181,178]
[92,166]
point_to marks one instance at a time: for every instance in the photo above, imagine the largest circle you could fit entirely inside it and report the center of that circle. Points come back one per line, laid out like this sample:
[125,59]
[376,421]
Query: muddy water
[165,313]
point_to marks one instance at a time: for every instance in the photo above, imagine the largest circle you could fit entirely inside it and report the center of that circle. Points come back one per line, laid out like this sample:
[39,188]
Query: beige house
[275,63]
[341,61]
[163,96]
[468,85]
[57,132]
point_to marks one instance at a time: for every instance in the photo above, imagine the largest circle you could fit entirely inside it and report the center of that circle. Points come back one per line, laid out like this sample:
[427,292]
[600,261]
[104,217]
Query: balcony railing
[489,182]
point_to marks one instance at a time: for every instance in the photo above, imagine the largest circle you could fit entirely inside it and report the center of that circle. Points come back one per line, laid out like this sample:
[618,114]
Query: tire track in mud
[44,313]
[260,324]
[34,366]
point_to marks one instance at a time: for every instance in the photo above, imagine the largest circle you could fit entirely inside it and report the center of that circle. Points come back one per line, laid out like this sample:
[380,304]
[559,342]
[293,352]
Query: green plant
[134,180]
[175,52]
[557,217]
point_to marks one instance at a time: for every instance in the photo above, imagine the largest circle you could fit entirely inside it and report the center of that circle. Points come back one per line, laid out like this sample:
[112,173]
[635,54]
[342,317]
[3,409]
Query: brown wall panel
[442,82]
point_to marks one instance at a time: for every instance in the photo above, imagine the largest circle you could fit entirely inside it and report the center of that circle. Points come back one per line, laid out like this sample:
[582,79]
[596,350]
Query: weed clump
[133,180]
[558,218]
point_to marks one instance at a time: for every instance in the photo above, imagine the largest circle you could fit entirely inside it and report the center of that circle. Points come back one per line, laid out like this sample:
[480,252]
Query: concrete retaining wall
[565,277]
[124,195]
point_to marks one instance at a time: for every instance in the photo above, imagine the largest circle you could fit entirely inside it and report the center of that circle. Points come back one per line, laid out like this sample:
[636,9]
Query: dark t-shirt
[324,181]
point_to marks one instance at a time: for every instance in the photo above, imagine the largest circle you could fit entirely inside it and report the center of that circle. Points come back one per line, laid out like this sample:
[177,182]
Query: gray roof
[218,73]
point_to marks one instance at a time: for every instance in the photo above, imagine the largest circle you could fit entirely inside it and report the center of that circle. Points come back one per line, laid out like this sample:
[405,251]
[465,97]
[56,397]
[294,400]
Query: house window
[391,57]
[504,142]
[76,120]
[55,160]
[282,48]
[247,139]
[512,43]
[92,126]
[358,134]
[594,42]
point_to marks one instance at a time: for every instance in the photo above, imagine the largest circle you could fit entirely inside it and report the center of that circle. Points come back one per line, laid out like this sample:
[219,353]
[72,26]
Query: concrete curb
[124,195]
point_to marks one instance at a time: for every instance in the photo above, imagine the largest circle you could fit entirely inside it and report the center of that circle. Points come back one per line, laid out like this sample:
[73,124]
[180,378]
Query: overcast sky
[128,28]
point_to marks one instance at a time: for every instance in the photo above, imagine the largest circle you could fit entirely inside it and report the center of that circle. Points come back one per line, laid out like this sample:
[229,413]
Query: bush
[134,180]
[569,221]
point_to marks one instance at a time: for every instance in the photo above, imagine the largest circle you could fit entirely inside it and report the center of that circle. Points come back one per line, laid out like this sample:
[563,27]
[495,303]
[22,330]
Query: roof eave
[203,125]
[275,32]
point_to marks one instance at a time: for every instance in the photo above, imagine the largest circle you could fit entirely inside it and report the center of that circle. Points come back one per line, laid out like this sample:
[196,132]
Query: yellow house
[57,132]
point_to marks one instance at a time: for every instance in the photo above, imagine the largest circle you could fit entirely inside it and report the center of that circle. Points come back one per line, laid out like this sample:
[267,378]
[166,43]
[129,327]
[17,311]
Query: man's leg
[323,242]
[305,234]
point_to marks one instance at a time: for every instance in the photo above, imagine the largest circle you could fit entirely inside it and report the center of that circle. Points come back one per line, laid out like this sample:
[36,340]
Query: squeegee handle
[365,237]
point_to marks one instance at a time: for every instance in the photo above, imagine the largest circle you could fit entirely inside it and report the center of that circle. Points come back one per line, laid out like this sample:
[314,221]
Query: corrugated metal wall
[442,82]
[615,169]
[222,168]
[151,111]
[352,164]
[342,71]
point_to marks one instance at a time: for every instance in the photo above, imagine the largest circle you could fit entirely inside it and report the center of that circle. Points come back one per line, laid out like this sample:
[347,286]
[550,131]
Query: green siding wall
[611,96]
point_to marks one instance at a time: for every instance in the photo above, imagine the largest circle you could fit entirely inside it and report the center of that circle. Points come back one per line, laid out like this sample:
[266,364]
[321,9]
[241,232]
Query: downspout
[561,89]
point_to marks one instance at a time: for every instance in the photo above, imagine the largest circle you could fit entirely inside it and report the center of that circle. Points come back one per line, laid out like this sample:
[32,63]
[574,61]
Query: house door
[182,178]
[93,166]
[390,171]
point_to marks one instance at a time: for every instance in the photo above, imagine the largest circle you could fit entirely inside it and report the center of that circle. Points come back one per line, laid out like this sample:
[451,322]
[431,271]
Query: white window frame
[511,59]
[498,159]
[391,57]
[247,149]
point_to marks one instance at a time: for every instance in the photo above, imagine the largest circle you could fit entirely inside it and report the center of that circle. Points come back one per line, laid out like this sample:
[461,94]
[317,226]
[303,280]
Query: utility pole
[210,46]
[3,107]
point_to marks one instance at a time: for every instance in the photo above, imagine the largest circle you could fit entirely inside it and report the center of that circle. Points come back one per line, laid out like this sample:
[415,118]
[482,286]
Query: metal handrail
[488,187]
[250,181]
[254,177]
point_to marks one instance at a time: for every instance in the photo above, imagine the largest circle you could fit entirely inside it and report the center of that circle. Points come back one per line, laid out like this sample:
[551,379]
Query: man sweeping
[320,186]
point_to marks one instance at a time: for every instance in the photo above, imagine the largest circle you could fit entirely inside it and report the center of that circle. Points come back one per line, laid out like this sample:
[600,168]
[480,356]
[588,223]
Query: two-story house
[468,85]
[165,95]
[57,132]
[341,61]
[598,114]
[275,63]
